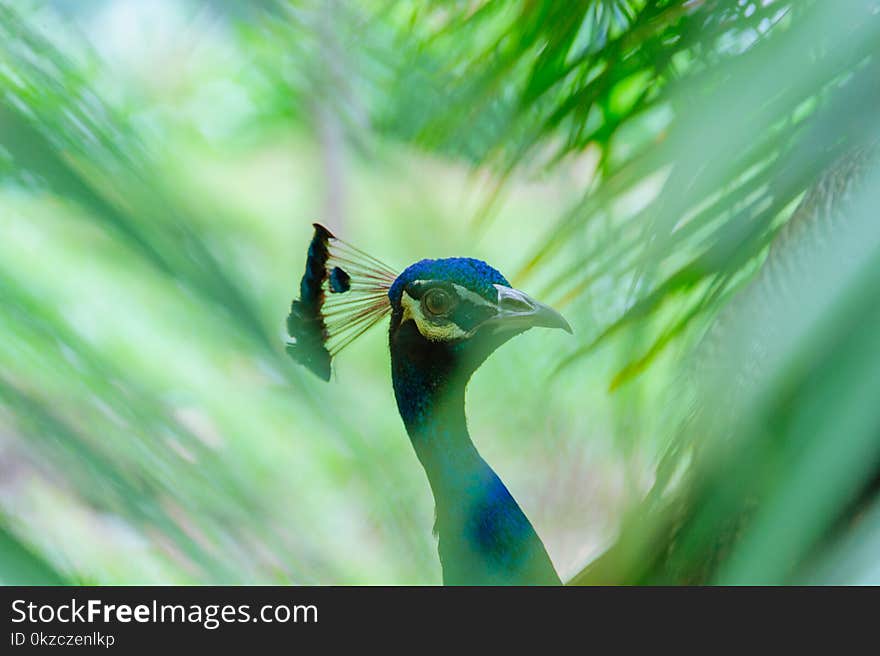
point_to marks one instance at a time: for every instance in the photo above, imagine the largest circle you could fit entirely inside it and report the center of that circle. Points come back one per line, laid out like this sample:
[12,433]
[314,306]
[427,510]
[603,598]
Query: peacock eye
[437,301]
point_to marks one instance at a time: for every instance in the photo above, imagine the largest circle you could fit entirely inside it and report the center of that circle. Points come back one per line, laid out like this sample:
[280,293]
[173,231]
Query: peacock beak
[519,311]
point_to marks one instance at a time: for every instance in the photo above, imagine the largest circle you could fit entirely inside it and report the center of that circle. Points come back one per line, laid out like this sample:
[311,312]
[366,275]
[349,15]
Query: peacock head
[447,315]
[461,309]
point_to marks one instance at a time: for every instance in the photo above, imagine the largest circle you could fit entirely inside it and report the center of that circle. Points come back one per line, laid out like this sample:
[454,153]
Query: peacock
[447,316]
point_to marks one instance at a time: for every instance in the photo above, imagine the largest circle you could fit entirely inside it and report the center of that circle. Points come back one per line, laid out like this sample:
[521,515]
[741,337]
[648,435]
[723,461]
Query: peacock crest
[342,294]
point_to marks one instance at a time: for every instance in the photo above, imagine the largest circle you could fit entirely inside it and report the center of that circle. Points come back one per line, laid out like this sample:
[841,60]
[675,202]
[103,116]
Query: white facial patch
[435,329]
[466,294]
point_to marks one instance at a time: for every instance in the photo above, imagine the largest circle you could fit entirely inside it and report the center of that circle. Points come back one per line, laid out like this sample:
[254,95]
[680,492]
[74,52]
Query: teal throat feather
[484,538]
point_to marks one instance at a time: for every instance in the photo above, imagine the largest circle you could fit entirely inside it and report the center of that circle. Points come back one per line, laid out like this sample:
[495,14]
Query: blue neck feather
[484,537]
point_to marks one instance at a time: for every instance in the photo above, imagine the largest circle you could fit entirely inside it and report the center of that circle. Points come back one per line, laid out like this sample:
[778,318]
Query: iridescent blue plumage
[473,274]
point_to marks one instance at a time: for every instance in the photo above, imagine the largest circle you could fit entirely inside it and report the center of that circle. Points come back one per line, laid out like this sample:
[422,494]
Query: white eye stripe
[466,294]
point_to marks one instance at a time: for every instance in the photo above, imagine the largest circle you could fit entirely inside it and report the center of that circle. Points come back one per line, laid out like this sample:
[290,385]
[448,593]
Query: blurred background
[692,183]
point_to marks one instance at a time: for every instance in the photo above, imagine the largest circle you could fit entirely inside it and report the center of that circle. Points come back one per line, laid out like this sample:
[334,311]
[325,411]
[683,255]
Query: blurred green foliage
[628,161]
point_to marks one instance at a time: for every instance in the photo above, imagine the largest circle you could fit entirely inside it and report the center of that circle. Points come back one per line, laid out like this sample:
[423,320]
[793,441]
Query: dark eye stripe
[467,315]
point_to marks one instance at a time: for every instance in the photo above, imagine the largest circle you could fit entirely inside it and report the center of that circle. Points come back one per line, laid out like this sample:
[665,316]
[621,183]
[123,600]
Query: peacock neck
[438,431]
[483,535]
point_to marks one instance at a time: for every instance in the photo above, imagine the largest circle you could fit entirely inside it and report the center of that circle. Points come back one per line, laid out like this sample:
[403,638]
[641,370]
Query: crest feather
[343,292]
